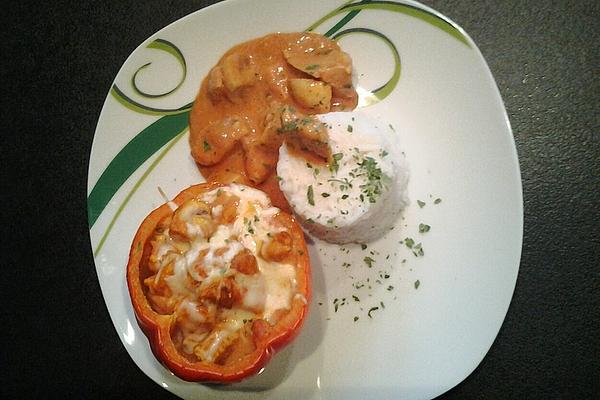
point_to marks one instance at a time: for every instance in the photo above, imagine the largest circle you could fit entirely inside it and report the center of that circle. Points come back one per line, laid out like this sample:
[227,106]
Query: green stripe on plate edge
[144,144]
[135,188]
[130,158]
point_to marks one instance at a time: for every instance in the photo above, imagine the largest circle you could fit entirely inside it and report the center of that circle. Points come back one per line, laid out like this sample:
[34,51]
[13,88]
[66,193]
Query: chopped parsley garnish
[288,126]
[349,128]
[355,318]
[325,194]
[279,178]
[344,197]
[344,183]
[337,303]
[421,203]
[310,195]
[310,221]
[437,201]
[311,67]
[371,310]
[391,127]
[418,250]
[363,246]
[375,179]
[417,284]
[355,298]
[369,261]
[308,165]
[248,224]
[334,166]
[409,242]
[390,288]
[423,228]
[207,146]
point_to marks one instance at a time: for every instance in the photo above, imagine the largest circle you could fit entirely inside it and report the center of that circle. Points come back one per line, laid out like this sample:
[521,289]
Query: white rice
[344,212]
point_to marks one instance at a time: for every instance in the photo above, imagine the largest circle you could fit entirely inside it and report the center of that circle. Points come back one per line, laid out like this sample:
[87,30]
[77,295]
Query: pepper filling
[223,267]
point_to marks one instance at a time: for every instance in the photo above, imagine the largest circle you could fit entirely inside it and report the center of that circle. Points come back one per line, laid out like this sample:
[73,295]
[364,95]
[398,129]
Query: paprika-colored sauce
[261,93]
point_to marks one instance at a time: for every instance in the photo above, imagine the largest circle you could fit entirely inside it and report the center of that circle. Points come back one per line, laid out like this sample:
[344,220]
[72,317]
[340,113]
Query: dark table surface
[59,61]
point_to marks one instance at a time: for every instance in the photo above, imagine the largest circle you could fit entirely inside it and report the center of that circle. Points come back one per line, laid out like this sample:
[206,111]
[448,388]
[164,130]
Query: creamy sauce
[234,122]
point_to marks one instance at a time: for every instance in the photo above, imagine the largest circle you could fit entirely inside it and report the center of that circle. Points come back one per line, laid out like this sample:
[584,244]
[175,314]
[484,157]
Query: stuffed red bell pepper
[219,280]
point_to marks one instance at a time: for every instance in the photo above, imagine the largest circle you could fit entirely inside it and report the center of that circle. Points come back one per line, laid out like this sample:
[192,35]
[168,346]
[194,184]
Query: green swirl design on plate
[404,8]
[134,189]
[143,109]
[340,23]
[117,93]
[130,158]
[386,89]
[170,48]
[172,123]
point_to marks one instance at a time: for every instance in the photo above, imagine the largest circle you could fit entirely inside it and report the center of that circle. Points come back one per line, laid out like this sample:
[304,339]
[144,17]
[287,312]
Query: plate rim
[514,159]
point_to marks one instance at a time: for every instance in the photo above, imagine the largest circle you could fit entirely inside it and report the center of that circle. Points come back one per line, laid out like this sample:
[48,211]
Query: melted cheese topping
[280,281]
[201,267]
[219,336]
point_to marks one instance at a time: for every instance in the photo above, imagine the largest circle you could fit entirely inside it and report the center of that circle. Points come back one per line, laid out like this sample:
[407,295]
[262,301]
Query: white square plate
[445,105]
